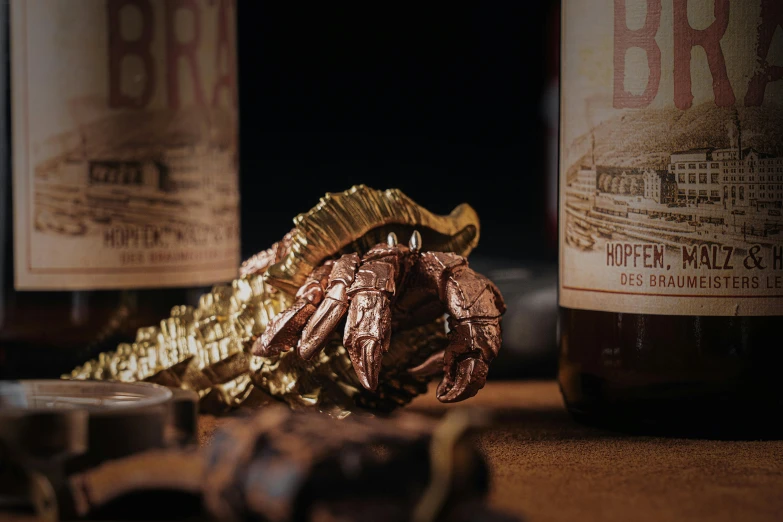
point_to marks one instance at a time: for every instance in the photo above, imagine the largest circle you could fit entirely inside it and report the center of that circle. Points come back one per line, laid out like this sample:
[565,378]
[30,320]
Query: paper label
[125,143]
[671,161]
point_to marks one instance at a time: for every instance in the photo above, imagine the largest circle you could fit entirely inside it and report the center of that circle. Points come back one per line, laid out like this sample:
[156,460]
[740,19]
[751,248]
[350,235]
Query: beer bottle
[670,215]
[119,192]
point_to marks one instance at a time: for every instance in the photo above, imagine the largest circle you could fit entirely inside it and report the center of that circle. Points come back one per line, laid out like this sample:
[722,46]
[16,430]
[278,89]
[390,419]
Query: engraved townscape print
[672,157]
[136,179]
[126,165]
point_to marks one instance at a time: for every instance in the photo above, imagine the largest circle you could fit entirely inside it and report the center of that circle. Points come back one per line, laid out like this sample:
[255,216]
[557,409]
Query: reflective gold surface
[206,348]
[360,218]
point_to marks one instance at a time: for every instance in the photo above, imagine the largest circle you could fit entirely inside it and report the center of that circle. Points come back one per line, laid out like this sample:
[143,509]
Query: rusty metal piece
[50,428]
[279,465]
[209,348]
[167,470]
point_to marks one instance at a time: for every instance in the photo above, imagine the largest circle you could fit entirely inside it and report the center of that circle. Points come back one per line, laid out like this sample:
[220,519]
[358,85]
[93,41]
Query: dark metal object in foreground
[50,429]
[280,465]
[75,450]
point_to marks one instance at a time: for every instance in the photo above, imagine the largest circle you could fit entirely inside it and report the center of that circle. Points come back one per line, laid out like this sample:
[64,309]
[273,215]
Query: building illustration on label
[112,185]
[725,196]
[125,168]
[671,157]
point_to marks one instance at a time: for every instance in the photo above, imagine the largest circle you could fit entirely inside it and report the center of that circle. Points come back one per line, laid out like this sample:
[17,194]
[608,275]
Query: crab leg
[433,365]
[475,307]
[282,333]
[368,326]
[264,259]
[331,310]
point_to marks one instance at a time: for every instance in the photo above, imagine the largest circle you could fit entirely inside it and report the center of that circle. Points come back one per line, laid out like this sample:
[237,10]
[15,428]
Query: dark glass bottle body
[702,376]
[662,152]
[45,333]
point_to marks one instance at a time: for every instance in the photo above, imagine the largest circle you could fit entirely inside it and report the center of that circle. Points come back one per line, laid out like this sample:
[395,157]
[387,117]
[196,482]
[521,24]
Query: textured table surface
[545,467]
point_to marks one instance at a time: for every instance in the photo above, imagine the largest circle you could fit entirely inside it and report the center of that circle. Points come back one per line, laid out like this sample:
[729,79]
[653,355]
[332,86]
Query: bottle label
[124,143]
[671,160]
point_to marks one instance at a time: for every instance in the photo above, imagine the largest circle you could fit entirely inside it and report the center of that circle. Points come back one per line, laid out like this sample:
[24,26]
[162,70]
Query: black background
[440,101]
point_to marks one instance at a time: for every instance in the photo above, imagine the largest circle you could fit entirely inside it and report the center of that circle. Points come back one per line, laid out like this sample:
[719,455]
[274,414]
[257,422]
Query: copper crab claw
[395,277]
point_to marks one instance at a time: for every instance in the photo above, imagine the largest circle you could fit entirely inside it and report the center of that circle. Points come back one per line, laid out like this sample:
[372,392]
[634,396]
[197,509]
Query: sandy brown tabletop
[547,467]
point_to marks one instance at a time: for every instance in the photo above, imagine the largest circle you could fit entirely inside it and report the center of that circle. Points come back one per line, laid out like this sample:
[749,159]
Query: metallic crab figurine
[395,287]
[276,334]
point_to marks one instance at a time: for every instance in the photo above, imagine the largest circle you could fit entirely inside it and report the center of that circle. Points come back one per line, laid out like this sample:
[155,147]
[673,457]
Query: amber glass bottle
[671,197]
[118,173]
